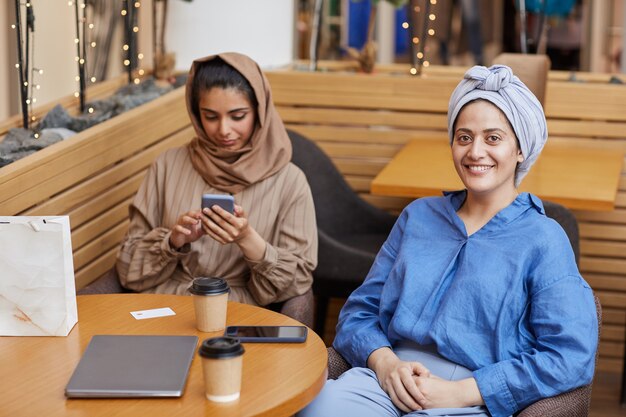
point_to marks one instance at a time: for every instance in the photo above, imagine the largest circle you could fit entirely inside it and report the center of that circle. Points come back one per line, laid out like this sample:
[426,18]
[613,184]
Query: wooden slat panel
[609,365]
[354,135]
[612,299]
[66,162]
[616,216]
[363,118]
[352,166]
[107,199]
[602,248]
[358,183]
[85,191]
[104,242]
[599,280]
[607,266]
[585,101]
[613,333]
[339,150]
[587,128]
[613,316]
[599,231]
[96,227]
[611,349]
[95,269]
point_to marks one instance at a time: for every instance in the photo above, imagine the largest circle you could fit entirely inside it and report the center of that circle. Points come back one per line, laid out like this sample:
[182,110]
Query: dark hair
[217,73]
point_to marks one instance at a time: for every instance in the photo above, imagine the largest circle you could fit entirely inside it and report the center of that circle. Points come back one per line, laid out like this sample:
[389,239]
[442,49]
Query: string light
[418,43]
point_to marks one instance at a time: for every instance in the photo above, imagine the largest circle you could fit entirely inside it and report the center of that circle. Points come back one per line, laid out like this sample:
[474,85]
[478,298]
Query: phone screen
[268,333]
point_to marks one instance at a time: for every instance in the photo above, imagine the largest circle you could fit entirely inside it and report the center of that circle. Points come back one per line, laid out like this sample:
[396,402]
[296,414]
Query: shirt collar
[521,204]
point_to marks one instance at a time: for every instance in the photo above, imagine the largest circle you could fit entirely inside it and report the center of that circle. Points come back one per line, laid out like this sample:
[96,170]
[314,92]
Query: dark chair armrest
[569,404]
[106,284]
[300,308]
[337,365]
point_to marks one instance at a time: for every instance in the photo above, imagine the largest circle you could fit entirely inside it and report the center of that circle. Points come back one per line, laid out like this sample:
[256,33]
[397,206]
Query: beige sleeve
[286,269]
[145,258]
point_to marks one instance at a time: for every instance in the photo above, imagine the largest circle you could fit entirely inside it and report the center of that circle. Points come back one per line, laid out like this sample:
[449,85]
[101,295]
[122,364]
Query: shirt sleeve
[145,258]
[359,330]
[564,324]
[286,269]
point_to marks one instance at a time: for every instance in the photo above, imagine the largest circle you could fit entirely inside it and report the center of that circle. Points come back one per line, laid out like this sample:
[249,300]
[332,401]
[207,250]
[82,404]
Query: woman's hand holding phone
[227,228]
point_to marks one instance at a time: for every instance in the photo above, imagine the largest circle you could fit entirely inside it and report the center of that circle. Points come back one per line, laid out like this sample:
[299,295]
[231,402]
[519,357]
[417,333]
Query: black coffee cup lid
[209,286]
[221,348]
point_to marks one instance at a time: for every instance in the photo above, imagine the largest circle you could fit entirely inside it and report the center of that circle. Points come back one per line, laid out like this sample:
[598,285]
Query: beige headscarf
[265,154]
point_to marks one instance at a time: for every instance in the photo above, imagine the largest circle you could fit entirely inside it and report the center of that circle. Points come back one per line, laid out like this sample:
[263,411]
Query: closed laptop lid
[133,366]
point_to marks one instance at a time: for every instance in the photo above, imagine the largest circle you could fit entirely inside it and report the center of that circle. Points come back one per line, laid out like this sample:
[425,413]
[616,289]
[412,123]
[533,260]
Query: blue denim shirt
[506,302]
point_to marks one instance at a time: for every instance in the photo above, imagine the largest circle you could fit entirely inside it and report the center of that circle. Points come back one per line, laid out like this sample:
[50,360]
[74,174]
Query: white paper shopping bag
[37,289]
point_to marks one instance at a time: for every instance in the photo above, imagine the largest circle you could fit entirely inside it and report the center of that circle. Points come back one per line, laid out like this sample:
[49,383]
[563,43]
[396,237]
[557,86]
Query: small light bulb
[76,40]
[34,99]
[135,29]
[431,32]
[76,59]
[140,56]
[405,25]
[76,94]
[433,1]
[33,118]
[126,62]
[36,135]
[137,4]
[25,83]
[27,101]
[416,40]
[123,12]
[77,78]
[38,87]
[17,66]
[81,61]
[93,44]
[426,63]
[141,72]
[93,79]
[91,26]
[413,71]
[12,26]
[432,16]
[82,6]
[90,110]
[27,4]
[40,72]
[69,3]
[136,80]
[420,55]
[125,47]
[417,9]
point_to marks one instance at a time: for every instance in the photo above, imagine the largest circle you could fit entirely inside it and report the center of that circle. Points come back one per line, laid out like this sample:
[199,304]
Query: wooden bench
[360,120]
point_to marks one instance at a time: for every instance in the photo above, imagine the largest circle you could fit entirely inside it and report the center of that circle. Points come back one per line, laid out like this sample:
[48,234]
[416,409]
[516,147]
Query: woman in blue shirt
[474,305]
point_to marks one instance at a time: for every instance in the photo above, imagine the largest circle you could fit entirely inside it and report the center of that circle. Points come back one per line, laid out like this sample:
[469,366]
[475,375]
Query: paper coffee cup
[222,359]
[210,299]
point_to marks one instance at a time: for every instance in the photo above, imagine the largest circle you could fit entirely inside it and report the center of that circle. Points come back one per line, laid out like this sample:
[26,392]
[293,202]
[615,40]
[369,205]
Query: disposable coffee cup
[210,300]
[222,359]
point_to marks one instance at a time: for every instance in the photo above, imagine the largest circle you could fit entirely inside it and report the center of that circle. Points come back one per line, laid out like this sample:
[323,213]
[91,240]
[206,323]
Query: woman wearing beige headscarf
[267,249]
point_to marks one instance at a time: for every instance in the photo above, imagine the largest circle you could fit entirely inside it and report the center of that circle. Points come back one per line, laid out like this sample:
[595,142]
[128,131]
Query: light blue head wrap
[498,85]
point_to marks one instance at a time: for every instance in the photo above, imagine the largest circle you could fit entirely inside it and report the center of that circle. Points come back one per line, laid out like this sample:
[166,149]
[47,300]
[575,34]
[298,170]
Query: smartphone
[225,201]
[268,334]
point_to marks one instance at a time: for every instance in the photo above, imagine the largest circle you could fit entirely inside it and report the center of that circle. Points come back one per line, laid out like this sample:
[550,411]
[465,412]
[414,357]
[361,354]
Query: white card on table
[155,312]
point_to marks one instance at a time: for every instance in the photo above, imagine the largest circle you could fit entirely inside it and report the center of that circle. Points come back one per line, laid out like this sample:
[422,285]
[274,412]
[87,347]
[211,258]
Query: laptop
[127,366]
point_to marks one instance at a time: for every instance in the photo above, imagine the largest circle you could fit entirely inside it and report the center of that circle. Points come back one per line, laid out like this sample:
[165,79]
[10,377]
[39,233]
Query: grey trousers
[358,393]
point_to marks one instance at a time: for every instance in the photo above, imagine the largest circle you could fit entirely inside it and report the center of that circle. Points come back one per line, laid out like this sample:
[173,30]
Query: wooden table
[579,174]
[278,379]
